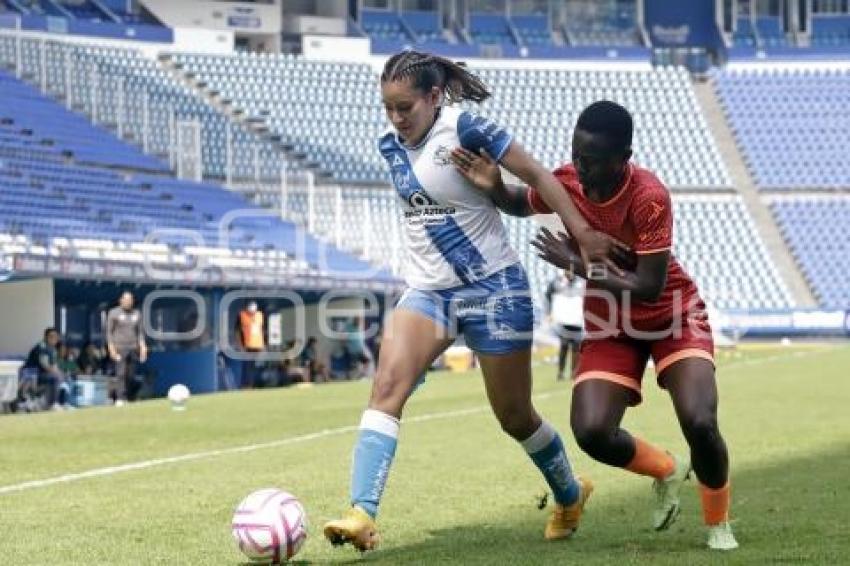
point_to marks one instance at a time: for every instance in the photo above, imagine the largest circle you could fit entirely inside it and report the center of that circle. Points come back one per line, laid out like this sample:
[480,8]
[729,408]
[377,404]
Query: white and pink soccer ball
[270,526]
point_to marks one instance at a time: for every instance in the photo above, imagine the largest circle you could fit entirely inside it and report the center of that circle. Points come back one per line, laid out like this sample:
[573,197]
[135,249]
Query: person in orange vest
[251,339]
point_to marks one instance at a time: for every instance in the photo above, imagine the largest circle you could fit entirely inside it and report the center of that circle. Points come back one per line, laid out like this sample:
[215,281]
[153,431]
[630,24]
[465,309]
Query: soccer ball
[178,395]
[270,526]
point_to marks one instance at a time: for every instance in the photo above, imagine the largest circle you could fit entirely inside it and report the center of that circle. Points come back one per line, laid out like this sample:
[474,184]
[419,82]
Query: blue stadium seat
[534,29]
[50,188]
[383,24]
[744,35]
[426,25]
[830,30]
[486,28]
[791,125]
[817,230]
[336,128]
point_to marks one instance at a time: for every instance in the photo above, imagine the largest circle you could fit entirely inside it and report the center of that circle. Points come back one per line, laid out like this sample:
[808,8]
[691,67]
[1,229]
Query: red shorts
[622,359]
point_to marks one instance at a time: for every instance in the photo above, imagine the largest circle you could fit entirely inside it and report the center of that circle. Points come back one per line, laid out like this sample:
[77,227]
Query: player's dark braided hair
[427,71]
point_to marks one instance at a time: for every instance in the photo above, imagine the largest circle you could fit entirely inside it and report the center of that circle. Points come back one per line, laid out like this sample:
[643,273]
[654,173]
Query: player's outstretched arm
[483,172]
[594,246]
[645,283]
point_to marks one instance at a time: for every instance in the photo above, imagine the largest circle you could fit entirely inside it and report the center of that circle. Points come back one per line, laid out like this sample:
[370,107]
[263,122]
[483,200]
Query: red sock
[651,461]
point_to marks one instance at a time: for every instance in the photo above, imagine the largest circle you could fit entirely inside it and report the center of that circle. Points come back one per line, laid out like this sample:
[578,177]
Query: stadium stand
[337,128]
[383,24]
[829,30]
[744,34]
[791,125]
[63,133]
[770,31]
[533,29]
[101,11]
[487,29]
[49,198]
[671,136]
[120,86]
[817,230]
[85,10]
[716,241]
[425,25]
[334,128]
[591,24]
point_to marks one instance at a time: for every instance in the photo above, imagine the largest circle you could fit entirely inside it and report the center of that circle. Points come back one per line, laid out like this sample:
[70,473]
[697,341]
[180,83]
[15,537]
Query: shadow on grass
[794,511]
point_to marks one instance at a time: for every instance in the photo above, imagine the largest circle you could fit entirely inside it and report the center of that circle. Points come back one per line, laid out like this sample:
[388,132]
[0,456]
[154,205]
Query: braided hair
[427,71]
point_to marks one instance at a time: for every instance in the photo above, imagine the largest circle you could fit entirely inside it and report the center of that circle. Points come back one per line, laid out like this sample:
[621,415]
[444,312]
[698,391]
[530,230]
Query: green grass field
[460,493]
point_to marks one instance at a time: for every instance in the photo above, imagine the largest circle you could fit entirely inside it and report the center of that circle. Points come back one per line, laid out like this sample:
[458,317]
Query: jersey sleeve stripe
[504,149]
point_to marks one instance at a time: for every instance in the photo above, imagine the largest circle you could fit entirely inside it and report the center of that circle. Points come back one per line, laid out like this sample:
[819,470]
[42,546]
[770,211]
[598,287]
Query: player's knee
[518,424]
[591,436]
[701,427]
[388,388]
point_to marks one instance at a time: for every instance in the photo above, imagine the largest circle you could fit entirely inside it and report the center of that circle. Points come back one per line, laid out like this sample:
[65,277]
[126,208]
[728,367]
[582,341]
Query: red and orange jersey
[640,215]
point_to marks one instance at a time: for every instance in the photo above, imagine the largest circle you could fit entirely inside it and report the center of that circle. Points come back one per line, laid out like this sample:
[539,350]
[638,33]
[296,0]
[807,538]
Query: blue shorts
[495,315]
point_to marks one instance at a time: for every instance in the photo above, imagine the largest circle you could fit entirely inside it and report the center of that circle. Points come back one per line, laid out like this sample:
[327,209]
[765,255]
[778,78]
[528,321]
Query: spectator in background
[358,351]
[317,371]
[224,374]
[290,373]
[67,360]
[44,358]
[125,341]
[251,339]
[565,310]
[68,366]
[91,360]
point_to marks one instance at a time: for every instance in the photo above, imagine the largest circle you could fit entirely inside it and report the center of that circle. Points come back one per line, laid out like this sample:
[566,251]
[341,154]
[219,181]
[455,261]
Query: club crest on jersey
[420,198]
[442,156]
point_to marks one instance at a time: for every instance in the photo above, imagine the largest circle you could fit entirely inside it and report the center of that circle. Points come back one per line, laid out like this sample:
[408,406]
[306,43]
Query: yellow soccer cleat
[564,519]
[356,527]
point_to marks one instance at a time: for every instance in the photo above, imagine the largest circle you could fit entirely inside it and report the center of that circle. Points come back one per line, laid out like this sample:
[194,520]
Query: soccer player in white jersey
[463,277]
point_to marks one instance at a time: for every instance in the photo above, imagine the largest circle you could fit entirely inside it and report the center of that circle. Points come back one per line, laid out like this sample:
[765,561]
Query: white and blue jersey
[454,231]
[461,270]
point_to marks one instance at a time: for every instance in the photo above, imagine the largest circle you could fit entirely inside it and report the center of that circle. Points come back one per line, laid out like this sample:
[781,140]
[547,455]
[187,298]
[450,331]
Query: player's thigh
[410,343]
[693,389]
[507,380]
[684,362]
[597,407]
[617,361]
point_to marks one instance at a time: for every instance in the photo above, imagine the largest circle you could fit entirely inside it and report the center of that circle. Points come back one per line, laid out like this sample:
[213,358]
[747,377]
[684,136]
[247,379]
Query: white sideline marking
[192,456]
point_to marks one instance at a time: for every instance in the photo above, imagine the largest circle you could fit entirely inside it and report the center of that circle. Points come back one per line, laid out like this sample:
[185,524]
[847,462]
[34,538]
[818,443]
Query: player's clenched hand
[480,170]
[599,248]
[556,250]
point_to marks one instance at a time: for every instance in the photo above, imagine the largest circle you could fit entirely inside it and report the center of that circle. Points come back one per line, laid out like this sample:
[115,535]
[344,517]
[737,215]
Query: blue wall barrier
[813,323]
[194,369]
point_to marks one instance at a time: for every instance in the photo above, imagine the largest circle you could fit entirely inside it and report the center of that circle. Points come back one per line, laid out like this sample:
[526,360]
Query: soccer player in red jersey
[651,308]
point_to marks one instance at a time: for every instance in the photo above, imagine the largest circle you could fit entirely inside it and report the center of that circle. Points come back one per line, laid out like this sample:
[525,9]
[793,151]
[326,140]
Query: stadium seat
[336,128]
[790,124]
[830,30]
[817,230]
[57,181]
